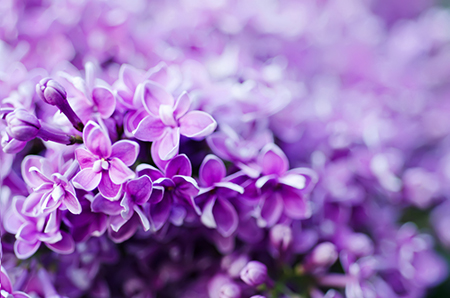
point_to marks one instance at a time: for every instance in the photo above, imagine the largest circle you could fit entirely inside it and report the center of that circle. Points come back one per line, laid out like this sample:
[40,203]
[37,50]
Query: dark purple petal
[104,100]
[151,171]
[98,142]
[197,124]
[107,188]
[119,172]
[85,158]
[87,179]
[125,232]
[186,186]
[153,96]
[179,165]
[212,170]
[157,195]
[150,129]
[159,213]
[273,160]
[64,246]
[126,151]
[103,205]
[226,217]
[140,189]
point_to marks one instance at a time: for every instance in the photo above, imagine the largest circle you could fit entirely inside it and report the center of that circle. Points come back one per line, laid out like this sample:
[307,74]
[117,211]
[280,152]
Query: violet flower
[177,189]
[50,180]
[283,191]
[168,119]
[104,165]
[214,197]
[32,231]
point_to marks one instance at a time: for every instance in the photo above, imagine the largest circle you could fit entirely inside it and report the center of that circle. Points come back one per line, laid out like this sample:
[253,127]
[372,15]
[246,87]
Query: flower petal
[107,188]
[72,203]
[271,210]
[207,216]
[140,189]
[126,151]
[87,179]
[179,165]
[85,158]
[150,129]
[119,172]
[125,232]
[212,170]
[153,96]
[101,204]
[104,100]
[197,124]
[273,160]
[144,220]
[64,246]
[98,142]
[24,250]
[169,144]
[159,213]
[4,281]
[295,206]
[182,105]
[226,217]
[31,177]
[151,171]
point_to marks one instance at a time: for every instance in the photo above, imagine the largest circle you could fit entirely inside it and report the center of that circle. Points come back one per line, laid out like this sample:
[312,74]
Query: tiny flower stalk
[54,94]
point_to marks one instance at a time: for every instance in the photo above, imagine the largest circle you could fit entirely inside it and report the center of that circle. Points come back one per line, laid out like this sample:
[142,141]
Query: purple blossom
[168,119]
[6,287]
[283,191]
[214,198]
[32,231]
[50,181]
[254,273]
[174,192]
[104,165]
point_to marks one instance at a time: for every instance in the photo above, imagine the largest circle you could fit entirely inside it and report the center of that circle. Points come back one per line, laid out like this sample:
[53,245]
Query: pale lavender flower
[6,288]
[168,119]
[104,165]
[254,273]
[50,180]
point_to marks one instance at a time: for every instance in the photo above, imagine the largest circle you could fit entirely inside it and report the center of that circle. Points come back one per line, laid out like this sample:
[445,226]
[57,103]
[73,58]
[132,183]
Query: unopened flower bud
[254,273]
[11,145]
[54,94]
[51,92]
[230,290]
[281,236]
[22,125]
[323,256]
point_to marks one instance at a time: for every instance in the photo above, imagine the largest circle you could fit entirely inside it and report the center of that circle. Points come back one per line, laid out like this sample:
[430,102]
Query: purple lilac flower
[104,165]
[168,119]
[177,189]
[32,231]
[215,195]
[283,191]
[6,287]
[254,273]
[50,181]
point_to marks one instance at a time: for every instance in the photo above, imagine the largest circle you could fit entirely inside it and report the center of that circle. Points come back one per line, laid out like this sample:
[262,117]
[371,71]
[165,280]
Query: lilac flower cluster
[224,148]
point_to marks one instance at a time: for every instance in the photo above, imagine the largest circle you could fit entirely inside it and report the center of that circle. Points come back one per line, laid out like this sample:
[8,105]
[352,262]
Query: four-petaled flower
[168,119]
[104,165]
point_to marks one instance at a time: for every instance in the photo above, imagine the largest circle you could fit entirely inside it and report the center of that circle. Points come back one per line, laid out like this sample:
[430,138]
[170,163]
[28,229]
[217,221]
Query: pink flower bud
[254,273]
